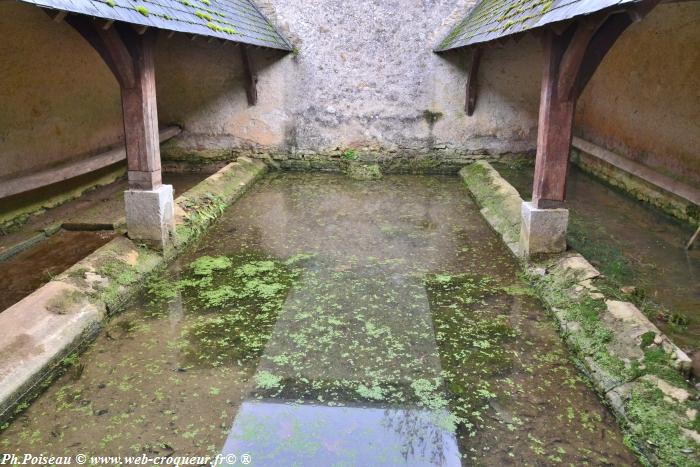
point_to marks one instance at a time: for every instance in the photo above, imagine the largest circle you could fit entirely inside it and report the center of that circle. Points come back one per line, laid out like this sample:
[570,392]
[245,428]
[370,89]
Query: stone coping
[58,319]
[611,341]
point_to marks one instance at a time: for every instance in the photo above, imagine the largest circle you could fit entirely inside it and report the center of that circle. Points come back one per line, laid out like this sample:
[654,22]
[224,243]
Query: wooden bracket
[470,101]
[571,59]
[110,46]
[129,54]
[251,76]
[574,55]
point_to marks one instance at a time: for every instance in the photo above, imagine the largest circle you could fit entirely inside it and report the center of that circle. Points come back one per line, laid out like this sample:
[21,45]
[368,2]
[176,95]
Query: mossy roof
[494,19]
[231,20]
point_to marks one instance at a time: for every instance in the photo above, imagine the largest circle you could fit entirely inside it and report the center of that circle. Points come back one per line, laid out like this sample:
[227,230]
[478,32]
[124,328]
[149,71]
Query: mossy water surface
[331,321]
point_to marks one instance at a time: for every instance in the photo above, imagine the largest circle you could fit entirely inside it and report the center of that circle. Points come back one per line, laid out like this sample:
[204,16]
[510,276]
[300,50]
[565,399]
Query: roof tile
[492,19]
[231,20]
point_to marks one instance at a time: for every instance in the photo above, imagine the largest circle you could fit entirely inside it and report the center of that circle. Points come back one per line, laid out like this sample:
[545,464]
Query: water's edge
[62,317]
[643,399]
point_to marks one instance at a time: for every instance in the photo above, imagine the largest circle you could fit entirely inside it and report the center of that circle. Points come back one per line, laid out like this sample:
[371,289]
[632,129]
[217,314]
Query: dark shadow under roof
[494,19]
[231,20]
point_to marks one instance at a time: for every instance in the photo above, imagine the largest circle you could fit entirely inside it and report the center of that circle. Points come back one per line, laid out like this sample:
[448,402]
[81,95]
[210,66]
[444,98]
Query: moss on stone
[65,302]
[500,202]
[432,117]
[363,171]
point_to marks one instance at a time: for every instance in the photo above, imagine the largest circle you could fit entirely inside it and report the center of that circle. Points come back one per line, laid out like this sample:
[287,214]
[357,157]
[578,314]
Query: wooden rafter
[470,99]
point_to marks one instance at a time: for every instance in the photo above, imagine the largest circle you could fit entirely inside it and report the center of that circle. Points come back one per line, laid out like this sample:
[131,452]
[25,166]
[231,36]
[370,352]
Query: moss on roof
[493,19]
[234,20]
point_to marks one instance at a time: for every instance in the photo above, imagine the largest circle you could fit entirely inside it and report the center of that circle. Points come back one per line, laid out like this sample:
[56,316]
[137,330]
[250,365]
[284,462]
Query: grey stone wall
[364,78]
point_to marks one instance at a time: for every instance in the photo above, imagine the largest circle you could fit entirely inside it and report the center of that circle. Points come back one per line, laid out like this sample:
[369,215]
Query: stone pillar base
[542,231]
[150,216]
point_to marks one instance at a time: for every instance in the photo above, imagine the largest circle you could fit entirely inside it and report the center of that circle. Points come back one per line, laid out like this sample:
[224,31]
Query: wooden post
[128,52]
[141,116]
[554,131]
[570,60]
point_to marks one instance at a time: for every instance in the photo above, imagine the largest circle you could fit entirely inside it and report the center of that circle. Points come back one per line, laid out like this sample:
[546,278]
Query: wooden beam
[20,184]
[472,76]
[250,75]
[573,58]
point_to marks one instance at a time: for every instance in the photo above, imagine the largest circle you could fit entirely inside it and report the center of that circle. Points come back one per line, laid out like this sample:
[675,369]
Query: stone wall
[363,77]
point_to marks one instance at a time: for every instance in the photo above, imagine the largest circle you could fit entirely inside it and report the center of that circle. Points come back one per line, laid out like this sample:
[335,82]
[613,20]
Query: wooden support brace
[570,60]
[60,16]
[470,100]
[129,55]
[109,46]
[250,75]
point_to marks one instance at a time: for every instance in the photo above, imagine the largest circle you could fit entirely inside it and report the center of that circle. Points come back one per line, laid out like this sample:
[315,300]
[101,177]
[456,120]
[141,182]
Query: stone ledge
[647,185]
[661,427]
[61,317]
[500,203]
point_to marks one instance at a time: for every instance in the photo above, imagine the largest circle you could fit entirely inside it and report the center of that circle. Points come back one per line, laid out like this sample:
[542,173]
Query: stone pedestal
[150,217]
[542,231]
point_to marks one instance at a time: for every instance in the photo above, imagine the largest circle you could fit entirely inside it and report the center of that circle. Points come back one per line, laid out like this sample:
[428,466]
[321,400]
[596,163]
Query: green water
[325,321]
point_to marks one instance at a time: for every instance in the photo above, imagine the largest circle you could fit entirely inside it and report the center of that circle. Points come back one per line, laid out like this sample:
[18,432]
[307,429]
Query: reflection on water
[276,433]
[328,321]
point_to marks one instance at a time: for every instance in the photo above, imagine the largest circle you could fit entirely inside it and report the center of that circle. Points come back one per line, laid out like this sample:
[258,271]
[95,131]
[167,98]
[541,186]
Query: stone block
[150,216]
[542,231]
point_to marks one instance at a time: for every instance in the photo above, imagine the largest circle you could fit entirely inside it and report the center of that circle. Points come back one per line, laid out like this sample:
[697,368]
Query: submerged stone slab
[150,217]
[542,231]
[276,433]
